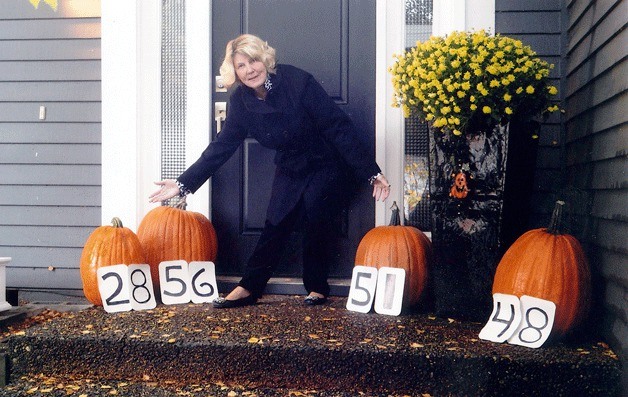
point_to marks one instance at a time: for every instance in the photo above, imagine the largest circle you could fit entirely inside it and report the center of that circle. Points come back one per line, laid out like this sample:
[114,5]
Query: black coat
[315,143]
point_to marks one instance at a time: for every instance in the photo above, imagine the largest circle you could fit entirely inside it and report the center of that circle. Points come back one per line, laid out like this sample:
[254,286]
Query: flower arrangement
[471,79]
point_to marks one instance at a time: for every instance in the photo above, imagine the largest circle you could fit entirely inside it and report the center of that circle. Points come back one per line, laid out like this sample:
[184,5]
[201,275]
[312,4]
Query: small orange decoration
[398,246]
[459,189]
[547,264]
[107,246]
[172,233]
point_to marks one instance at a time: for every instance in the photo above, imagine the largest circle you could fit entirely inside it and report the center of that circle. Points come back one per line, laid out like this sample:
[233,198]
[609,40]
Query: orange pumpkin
[106,246]
[172,233]
[547,264]
[398,246]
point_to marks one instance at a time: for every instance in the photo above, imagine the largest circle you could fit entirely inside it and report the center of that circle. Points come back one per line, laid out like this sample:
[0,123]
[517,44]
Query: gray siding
[50,170]
[539,24]
[596,145]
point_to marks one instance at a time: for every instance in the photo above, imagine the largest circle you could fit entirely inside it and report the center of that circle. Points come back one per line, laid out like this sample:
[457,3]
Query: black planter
[468,229]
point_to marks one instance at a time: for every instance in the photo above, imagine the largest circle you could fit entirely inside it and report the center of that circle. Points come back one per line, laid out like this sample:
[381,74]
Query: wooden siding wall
[50,169]
[596,143]
[538,23]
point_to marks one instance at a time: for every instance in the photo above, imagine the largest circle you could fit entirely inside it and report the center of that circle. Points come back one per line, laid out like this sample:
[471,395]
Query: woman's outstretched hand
[169,189]
[381,188]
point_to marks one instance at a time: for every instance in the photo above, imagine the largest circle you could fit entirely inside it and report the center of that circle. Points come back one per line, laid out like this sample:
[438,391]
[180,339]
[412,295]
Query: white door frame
[131,96]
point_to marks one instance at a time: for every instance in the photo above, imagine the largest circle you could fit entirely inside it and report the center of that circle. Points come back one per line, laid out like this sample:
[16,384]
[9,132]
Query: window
[419,14]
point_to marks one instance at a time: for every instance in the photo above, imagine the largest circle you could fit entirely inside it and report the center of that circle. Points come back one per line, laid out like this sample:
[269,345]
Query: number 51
[384,287]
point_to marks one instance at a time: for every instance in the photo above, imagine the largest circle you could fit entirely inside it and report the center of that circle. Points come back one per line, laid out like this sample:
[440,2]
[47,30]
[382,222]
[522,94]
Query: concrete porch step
[279,344]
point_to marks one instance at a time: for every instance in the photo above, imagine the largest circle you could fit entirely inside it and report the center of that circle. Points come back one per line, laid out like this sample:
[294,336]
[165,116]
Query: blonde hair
[250,46]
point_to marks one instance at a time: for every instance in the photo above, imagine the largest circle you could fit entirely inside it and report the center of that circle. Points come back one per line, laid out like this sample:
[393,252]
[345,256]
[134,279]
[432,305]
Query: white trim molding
[131,107]
[389,142]
[467,15]
[198,109]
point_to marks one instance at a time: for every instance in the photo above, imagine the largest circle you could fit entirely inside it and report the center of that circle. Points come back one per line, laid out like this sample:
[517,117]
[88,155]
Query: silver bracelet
[374,177]
[183,191]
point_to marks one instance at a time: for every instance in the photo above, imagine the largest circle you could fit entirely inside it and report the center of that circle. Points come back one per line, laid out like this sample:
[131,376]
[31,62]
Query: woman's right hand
[169,189]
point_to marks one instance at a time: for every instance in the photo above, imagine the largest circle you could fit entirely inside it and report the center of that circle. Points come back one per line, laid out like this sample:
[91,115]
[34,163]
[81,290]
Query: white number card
[174,282]
[141,288]
[125,288]
[525,321]
[389,295]
[113,285]
[362,290]
[203,282]
[384,287]
[536,323]
[504,319]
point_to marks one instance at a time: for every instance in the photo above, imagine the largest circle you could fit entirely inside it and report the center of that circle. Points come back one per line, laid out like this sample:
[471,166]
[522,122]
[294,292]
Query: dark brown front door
[335,41]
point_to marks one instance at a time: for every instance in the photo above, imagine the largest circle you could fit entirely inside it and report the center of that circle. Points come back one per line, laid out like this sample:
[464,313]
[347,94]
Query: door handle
[220,114]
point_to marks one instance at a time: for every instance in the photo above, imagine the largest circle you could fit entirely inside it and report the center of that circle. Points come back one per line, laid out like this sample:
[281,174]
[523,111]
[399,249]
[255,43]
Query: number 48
[526,322]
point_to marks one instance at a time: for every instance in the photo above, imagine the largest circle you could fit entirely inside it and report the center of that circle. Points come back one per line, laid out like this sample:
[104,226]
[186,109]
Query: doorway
[335,41]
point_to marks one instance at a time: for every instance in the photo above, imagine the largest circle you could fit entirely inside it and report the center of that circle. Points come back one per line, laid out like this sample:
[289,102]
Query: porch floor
[280,347]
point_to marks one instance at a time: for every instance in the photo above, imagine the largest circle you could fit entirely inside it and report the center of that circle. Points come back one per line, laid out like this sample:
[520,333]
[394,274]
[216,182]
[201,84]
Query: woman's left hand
[381,188]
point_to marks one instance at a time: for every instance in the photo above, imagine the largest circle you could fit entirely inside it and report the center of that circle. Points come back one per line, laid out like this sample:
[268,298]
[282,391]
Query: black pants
[274,239]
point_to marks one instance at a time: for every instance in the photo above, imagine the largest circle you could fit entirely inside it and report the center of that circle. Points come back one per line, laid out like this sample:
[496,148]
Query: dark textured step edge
[434,371]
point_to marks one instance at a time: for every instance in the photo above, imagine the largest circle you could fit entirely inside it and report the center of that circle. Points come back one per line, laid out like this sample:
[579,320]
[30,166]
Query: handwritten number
[204,284]
[175,279]
[499,320]
[140,286]
[389,291]
[532,327]
[359,287]
[117,291]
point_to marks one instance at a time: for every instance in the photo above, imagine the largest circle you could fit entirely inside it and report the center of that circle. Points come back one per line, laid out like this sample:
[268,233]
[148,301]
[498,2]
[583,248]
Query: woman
[287,110]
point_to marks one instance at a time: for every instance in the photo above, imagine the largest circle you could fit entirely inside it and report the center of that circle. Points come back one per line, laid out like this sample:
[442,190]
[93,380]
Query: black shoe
[314,300]
[222,303]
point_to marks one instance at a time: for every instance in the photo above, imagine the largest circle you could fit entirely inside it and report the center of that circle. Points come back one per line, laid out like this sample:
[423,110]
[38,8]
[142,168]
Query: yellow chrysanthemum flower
[434,79]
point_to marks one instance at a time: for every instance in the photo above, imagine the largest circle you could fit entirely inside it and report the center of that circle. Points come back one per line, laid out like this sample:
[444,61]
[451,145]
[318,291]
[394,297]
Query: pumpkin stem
[395,219]
[557,218]
[116,222]
[182,204]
